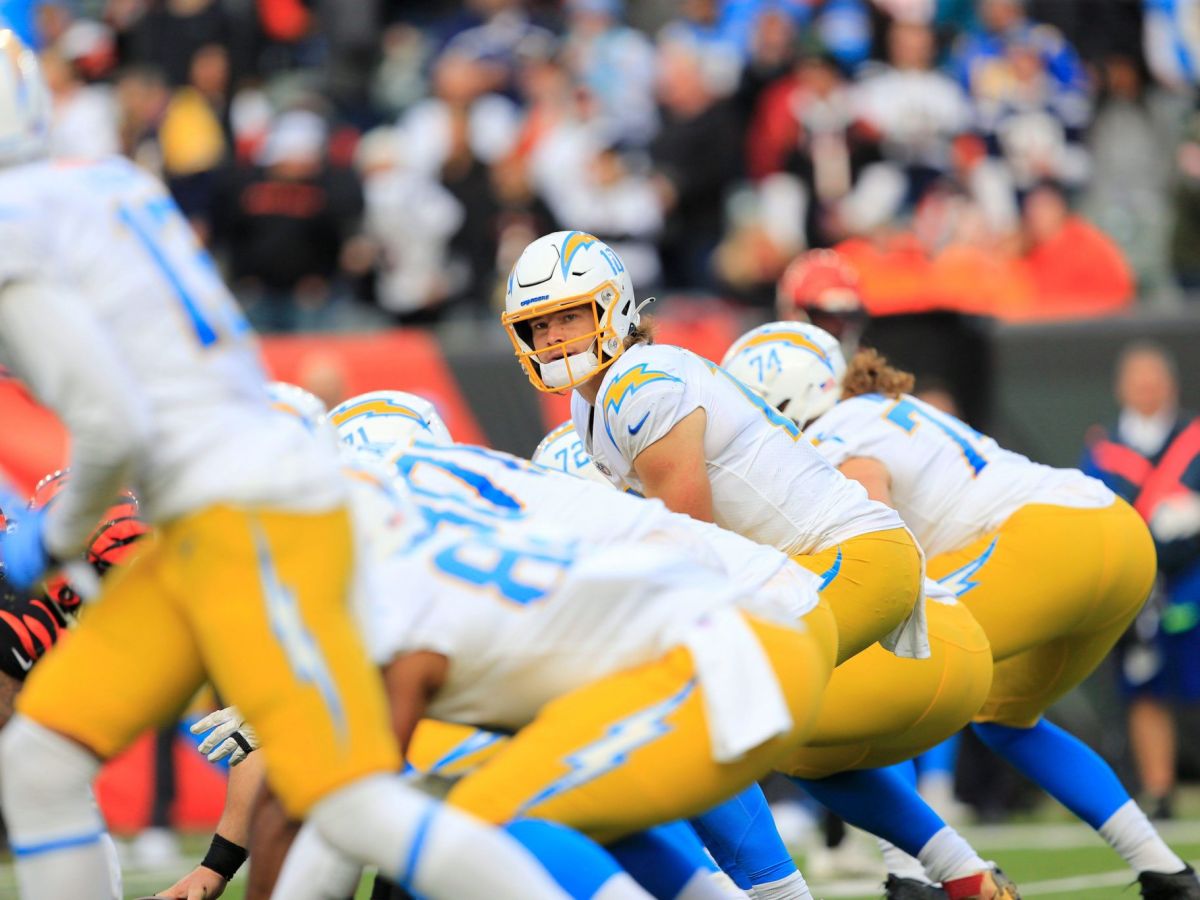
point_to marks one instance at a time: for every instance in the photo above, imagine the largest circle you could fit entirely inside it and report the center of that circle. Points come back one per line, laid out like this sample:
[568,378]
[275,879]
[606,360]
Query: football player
[115,317]
[1052,564]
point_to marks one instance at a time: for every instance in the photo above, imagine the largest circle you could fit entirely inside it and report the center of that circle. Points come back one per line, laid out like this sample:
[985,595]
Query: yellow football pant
[1053,588]
[450,750]
[257,602]
[880,709]
[870,582]
[632,750]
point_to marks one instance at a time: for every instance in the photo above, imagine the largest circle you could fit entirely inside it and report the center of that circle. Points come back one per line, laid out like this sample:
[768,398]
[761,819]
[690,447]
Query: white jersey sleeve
[53,343]
[642,403]
[109,239]
[950,483]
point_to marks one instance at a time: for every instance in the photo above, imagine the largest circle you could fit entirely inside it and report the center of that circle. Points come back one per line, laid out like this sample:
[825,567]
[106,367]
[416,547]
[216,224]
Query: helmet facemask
[582,356]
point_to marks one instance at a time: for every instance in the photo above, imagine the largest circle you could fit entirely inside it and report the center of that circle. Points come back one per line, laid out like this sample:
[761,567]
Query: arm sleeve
[55,345]
[648,414]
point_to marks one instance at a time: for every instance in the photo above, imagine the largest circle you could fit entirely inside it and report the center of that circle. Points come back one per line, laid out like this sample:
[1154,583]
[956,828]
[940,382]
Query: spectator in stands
[1171,44]
[1130,141]
[142,97]
[1030,91]
[1185,203]
[692,169]
[499,41]
[410,219]
[167,33]
[1151,457]
[283,225]
[917,110]
[194,136]
[615,64]
[1075,269]
[85,117]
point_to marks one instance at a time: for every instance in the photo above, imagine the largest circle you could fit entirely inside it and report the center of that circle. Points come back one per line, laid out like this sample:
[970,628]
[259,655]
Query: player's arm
[227,851]
[871,474]
[411,682]
[55,345]
[674,468]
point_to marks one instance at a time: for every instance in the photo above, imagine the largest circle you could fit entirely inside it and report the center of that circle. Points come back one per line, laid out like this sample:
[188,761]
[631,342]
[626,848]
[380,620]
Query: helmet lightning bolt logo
[960,580]
[626,384]
[797,341]
[576,241]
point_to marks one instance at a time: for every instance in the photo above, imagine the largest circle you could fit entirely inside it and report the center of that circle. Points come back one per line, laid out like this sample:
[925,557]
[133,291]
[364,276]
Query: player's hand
[230,736]
[22,545]
[202,883]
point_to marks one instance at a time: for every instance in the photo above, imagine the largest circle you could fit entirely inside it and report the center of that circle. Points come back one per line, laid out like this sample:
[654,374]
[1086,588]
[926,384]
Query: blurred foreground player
[116,319]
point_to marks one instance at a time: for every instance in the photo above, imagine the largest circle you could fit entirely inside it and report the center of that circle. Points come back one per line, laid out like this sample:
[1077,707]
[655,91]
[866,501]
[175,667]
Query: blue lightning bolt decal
[960,580]
[614,749]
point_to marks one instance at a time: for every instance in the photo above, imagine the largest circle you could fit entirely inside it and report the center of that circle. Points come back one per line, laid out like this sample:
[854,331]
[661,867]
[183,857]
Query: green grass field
[1051,857]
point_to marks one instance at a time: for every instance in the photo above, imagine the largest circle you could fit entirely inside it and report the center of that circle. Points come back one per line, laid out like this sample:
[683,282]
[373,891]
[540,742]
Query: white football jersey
[524,620]
[110,235]
[950,483]
[478,487]
[768,483]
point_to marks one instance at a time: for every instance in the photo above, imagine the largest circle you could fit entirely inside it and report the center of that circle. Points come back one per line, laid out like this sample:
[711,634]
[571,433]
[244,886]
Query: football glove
[229,736]
[22,545]
[28,629]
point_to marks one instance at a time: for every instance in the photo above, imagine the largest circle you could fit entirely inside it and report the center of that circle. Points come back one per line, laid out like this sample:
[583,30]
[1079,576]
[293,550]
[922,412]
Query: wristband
[224,857]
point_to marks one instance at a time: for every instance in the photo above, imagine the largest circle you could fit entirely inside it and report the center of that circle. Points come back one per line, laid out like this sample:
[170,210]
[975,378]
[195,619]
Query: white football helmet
[794,366]
[296,401]
[383,422]
[562,450]
[555,273]
[24,103]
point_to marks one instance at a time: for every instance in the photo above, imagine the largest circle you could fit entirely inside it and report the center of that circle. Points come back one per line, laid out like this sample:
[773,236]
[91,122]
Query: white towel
[743,702]
[910,639]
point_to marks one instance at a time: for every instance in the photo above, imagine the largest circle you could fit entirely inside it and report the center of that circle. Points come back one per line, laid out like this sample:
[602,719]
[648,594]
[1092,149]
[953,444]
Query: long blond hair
[869,373]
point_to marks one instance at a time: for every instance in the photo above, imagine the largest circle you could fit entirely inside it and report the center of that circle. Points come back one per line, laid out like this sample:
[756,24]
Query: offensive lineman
[116,319]
[1053,565]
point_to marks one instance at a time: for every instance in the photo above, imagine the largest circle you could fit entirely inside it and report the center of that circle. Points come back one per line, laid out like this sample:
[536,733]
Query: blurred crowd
[1017,158]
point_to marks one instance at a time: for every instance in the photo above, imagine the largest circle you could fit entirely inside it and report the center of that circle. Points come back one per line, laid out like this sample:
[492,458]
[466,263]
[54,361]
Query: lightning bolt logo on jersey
[623,387]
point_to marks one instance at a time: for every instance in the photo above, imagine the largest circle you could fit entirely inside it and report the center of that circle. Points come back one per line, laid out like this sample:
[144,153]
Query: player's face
[558,330]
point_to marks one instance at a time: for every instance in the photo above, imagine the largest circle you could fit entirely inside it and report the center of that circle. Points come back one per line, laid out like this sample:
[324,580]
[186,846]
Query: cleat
[897,888]
[992,884]
[1170,885]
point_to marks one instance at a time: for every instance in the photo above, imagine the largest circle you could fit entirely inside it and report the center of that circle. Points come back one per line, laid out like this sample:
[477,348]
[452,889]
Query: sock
[1132,835]
[879,801]
[742,837]
[427,847]
[724,884]
[315,871]
[704,886]
[581,867]
[664,859]
[56,832]
[900,863]
[1068,769]
[791,887]
[947,856]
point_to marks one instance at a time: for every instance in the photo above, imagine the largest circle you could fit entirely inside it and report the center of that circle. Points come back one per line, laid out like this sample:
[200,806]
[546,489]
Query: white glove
[1177,516]
[230,736]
